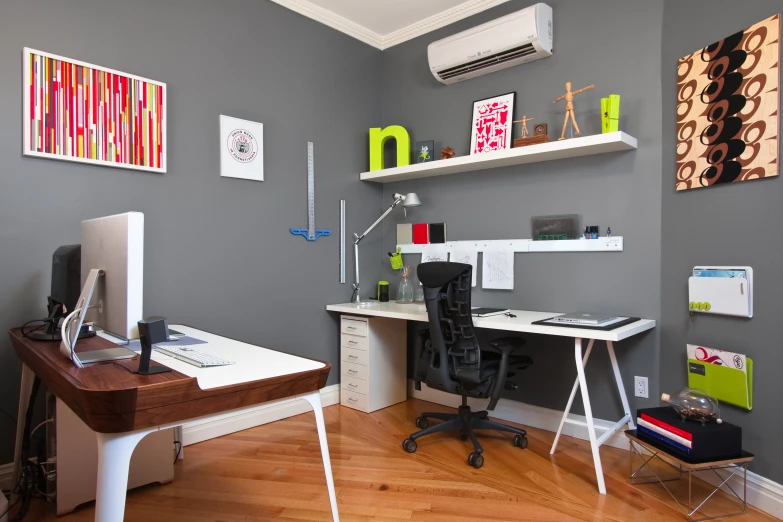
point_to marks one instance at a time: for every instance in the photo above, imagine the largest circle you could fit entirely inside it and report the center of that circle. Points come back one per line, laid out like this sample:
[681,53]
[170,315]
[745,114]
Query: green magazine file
[726,384]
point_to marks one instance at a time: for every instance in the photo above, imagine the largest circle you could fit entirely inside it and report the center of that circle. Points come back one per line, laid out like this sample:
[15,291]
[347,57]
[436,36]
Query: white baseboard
[763,494]
[220,425]
[519,412]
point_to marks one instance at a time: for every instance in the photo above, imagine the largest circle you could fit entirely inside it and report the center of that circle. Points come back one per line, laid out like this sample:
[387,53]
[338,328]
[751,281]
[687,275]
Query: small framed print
[425,151]
[492,124]
[241,149]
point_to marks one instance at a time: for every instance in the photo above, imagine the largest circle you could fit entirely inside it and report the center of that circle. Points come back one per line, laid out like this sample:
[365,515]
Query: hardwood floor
[274,472]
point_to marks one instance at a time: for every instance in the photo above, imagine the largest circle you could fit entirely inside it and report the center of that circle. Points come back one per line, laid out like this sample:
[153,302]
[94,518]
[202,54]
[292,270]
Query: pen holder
[396,260]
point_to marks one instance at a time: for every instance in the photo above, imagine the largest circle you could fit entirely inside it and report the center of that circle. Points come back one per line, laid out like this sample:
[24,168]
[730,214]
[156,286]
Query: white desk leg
[620,387]
[580,370]
[315,401]
[25,389]
[114,455]
[571,398]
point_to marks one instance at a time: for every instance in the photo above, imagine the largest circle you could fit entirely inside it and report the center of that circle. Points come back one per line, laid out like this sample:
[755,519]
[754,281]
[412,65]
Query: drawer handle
[352,385]
[352,357]
[353,342]
[351,371]
[351,327]
[352,399]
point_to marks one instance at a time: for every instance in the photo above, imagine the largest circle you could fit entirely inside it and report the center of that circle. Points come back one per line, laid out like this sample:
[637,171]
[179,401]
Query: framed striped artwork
[76,111]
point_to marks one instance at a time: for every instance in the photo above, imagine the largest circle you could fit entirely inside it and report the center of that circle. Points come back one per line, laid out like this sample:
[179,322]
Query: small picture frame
[241,149]
[492,124]
[424,151]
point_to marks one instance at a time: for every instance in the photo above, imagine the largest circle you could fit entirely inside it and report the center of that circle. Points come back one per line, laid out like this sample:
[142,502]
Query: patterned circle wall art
[728,101]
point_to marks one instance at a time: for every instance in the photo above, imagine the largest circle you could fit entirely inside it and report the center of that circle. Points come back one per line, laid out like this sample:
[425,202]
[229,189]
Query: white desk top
[522,323]
[252,363]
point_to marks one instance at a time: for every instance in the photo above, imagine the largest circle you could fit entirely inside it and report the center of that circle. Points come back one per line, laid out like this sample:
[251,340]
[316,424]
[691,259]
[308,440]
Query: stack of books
[693,442]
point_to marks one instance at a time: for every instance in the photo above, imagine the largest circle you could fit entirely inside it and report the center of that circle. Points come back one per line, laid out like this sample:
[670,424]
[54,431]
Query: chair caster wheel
[409,445]
[520,441]
[422,423]
[476,460]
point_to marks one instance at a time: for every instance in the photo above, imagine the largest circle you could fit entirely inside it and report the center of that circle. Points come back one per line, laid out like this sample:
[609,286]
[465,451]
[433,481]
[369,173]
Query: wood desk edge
[160,400]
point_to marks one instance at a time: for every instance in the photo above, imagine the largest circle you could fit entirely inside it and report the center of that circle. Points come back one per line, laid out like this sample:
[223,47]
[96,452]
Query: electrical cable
[179,451]
[43,423]
[66,336]
[27,333]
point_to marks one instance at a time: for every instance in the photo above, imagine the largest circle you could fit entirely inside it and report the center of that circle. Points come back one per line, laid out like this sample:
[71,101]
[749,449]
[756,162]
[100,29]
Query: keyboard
[187,354]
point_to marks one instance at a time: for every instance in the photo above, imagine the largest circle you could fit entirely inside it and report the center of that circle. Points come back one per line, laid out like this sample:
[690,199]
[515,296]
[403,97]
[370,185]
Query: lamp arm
[377,221]
[357,238]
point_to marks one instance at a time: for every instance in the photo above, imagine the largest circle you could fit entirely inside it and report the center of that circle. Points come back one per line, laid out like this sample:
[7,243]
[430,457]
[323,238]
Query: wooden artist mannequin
[524,121]
[569,98]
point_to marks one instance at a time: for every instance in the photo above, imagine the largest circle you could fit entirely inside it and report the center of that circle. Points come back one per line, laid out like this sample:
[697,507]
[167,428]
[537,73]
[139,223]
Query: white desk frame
[524,323]
[115,449]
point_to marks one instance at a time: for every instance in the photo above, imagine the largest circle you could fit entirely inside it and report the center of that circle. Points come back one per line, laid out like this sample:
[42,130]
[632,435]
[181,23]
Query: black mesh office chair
[451,359]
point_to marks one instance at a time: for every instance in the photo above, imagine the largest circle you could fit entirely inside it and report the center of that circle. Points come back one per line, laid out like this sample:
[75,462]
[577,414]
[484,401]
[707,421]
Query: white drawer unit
[373,355]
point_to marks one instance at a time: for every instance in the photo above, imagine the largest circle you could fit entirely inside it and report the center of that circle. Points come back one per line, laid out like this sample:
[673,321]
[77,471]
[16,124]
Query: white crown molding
[439,20]
[361,33]
[335,21]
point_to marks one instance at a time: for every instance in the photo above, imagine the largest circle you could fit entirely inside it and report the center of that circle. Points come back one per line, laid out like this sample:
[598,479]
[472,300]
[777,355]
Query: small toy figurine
[424,154]
[524,121]
[569,98]
[447,153]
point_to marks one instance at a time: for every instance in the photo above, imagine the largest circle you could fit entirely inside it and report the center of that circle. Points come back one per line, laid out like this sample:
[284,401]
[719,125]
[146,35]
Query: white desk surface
[252,363]
[522,323]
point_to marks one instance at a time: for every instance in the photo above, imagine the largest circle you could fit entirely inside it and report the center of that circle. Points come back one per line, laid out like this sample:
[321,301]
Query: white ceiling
[384,23]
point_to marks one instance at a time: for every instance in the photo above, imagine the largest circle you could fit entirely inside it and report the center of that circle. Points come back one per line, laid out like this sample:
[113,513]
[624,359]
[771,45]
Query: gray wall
[619,190]
[725,225]
[218,253]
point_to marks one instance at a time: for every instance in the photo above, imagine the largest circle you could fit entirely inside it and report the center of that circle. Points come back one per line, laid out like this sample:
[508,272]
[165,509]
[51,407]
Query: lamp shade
[411,200]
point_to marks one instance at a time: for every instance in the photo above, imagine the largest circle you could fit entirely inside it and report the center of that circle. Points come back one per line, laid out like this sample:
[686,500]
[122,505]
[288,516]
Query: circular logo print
[738,362]
[242,146]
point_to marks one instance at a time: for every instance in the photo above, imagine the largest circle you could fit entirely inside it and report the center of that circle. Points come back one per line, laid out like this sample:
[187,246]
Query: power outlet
[640,387]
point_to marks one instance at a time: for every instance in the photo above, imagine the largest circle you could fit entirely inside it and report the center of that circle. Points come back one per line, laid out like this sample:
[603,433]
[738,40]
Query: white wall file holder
[722,295]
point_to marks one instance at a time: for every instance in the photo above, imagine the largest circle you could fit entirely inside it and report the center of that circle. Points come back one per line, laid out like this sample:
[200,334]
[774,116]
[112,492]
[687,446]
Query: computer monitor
[113,279]
[115,245]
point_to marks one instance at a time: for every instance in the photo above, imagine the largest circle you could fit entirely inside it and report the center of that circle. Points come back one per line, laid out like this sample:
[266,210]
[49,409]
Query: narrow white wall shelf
[602,244]
[554,150]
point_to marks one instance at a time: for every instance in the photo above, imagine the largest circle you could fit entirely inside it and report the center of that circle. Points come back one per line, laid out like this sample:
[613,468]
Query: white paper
[469,257]
[497,270]
[436,252]
[737,361]
[241,149]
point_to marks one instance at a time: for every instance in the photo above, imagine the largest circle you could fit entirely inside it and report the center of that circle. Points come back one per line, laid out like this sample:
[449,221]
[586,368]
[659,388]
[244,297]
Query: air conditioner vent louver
[488,61]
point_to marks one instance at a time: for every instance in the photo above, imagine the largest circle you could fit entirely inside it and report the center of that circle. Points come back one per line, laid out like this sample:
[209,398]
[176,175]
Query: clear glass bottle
[405,290]
[418,295]
[694,404]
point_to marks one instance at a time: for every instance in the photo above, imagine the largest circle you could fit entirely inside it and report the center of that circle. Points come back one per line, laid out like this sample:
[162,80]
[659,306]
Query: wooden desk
[523,323]
[122,407]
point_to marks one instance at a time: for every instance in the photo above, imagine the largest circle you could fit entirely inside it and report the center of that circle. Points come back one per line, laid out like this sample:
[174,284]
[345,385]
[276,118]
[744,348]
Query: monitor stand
[52,330]
[67,346]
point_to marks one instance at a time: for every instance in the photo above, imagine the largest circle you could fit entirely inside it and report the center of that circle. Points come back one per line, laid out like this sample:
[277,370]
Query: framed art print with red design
[75,111]
[728,100]
[492,124]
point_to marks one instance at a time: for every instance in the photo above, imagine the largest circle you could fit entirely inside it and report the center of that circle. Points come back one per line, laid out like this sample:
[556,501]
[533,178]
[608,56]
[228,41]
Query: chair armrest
[507,344]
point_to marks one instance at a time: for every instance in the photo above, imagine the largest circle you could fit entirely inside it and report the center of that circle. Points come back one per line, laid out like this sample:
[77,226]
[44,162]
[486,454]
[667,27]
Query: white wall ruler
[310,233]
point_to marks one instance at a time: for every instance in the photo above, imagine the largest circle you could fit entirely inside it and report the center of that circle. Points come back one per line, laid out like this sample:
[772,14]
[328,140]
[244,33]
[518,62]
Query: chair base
[466,422]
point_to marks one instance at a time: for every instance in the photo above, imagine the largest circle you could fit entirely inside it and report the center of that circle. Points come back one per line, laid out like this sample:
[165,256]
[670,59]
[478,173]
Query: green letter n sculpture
[378,138]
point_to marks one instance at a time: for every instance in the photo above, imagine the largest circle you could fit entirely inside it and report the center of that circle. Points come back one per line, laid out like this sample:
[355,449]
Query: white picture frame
[492,124]
[241,149]
[67,109]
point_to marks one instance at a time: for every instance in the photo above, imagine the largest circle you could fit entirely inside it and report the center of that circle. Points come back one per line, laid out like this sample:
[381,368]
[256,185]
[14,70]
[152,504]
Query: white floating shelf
[602,244]
[554,150]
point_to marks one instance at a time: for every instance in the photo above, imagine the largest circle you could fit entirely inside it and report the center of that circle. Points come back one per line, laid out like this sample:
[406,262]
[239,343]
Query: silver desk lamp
[407,200]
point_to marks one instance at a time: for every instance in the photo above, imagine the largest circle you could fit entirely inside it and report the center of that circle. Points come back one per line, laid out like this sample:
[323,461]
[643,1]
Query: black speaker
[67,276]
